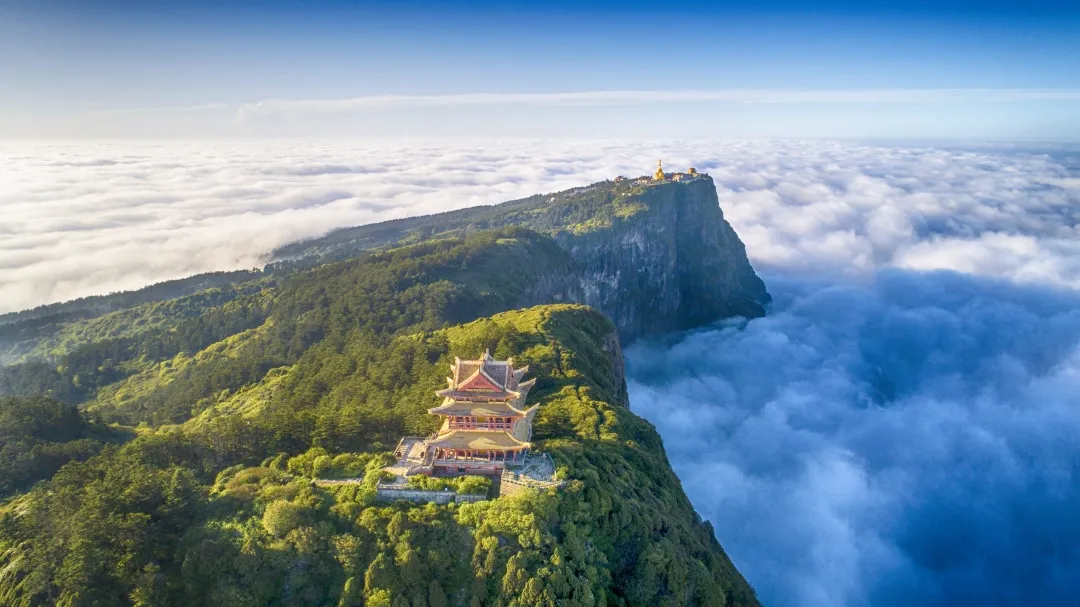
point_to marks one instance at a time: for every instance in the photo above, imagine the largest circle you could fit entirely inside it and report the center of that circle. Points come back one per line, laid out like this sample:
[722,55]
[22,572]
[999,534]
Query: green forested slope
[38,435]
[241,397]
[170,371]
[20,332]
[575,210]
[170,518]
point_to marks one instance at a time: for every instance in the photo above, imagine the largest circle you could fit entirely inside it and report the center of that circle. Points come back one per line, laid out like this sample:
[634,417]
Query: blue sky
[198,68]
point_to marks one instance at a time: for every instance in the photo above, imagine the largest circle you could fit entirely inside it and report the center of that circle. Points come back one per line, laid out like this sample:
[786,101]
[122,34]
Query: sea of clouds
[901,429]
[89,218]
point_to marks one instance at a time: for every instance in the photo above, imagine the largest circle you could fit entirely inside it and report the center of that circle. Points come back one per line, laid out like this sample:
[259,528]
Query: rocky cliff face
[674,264]
[611,346]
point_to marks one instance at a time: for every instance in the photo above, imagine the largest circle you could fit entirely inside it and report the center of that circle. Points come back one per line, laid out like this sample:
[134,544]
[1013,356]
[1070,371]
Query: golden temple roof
[496,409]
[477,440]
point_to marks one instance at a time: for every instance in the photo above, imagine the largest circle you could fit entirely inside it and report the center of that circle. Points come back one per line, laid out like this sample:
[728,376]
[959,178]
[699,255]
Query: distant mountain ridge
[655,256]
[21,331]
[85,307]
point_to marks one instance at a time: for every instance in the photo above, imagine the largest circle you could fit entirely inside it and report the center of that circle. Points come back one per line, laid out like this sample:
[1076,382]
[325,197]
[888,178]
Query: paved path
[333,482]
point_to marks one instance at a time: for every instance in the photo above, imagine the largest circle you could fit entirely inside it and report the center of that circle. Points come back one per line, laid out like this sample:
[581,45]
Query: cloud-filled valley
[899,430]
[907,441]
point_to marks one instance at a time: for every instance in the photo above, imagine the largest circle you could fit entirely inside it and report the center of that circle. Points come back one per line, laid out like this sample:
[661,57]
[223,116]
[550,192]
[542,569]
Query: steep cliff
[652,256]
[669,262]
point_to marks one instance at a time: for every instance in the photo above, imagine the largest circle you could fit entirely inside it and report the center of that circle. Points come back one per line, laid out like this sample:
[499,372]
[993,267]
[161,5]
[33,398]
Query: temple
[485,428]
[485,422]
[659,175]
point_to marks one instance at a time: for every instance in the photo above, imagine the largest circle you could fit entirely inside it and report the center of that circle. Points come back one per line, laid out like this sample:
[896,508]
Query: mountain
[653,256]
[226,404]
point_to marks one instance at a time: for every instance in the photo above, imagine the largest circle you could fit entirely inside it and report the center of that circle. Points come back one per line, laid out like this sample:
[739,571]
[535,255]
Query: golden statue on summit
[661,177]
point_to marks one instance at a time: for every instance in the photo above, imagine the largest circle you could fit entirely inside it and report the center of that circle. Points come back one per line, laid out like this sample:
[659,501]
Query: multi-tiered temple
[485,422]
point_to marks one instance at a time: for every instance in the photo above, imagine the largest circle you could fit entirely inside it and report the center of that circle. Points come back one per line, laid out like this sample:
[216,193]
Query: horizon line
[915,96]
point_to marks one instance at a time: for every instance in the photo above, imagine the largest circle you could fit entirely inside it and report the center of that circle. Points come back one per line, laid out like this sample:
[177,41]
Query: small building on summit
[486,424]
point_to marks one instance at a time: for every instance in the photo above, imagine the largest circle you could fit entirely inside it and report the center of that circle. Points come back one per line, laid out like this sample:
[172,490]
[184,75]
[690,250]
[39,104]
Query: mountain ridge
[657,256]
[603,225]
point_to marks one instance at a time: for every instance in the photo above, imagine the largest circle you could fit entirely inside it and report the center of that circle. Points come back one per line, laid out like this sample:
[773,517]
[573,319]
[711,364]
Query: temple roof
[496,409]
[486,378]
[522,429]
[477,440]
[479,394]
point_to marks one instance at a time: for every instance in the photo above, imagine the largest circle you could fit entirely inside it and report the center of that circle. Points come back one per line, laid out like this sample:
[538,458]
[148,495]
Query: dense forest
[164,453]
[38,435]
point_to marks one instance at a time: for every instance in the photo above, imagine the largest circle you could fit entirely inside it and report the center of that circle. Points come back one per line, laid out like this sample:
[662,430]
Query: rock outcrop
[672,265]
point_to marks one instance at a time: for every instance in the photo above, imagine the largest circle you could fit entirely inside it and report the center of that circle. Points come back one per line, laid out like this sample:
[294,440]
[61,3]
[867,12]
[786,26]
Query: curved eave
[477,440]
[463,407]
[452,392]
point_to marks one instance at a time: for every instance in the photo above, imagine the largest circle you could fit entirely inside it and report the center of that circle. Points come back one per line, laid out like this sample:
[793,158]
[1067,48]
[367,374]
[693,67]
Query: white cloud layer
[891,434]
[82,219]
[809,207]
[909,441]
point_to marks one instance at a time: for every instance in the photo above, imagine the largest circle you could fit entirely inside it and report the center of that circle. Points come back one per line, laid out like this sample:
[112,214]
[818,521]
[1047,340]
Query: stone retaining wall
[389,493]
[509,485]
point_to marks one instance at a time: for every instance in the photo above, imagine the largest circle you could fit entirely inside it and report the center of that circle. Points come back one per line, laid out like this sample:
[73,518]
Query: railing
[388,493]
[468,461]
[511,483]
[479,426]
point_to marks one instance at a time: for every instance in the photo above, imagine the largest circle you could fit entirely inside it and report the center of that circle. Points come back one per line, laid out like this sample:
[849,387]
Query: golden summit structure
[661,176]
